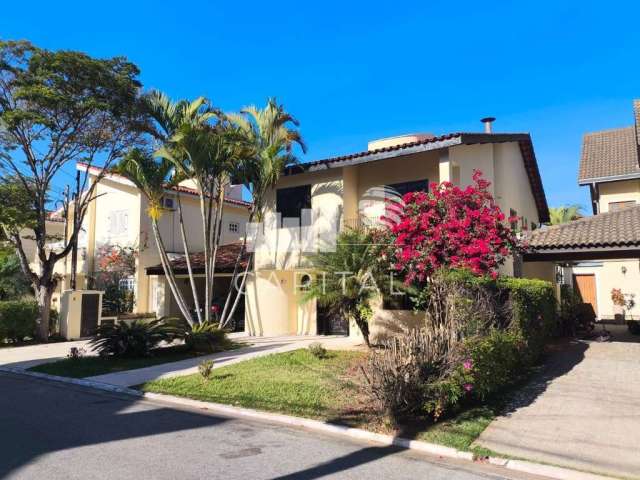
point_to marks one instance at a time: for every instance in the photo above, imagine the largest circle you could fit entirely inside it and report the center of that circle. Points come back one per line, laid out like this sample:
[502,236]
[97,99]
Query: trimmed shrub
[533,312]
[18,320]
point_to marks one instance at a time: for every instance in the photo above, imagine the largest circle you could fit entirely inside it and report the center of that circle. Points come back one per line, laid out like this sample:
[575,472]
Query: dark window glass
[291,201]
[407,187]
[397,302]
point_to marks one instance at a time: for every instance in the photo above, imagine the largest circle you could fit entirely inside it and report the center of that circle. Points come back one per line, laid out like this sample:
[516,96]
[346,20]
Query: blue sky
[354,71]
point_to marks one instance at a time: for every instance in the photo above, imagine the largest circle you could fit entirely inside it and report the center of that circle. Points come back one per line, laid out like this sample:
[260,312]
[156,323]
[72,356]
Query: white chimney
[488,124]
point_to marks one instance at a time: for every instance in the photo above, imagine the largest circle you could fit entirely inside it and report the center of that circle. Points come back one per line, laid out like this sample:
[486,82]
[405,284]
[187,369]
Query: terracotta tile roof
[612,229]
[610,154]
[225,261]
[442,141]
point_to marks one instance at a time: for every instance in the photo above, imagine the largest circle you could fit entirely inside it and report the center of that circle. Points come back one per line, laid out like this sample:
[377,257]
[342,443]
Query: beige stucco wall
[609,275]
[272,308]
[621,191]
[273,305]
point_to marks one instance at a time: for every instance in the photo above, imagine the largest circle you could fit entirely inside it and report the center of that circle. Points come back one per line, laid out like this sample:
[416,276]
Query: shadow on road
[62,416]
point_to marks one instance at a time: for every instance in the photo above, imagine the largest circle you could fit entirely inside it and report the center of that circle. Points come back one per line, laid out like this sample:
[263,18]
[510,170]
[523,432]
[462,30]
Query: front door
[585,285]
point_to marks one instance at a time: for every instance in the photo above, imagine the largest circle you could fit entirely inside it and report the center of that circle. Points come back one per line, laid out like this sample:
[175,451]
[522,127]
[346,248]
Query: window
[291,201]
[118,222]
[408,187]
[128,283]
[397,302]
[167,202]
[615,206]
[234,227]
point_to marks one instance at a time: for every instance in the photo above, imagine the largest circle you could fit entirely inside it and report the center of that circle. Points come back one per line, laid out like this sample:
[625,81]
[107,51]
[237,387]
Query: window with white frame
[118,223]
[234,227]
[128,283]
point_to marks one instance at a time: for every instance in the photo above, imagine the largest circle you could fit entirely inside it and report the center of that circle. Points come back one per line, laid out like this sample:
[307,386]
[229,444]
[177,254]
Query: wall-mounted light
[623,269]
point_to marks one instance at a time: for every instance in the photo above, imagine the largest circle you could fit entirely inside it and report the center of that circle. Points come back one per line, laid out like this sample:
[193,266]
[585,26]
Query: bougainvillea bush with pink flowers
[446,248]
[451,227]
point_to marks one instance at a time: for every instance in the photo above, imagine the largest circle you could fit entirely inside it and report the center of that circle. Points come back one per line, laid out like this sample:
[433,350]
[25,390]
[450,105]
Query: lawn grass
[296,383]
[90,366]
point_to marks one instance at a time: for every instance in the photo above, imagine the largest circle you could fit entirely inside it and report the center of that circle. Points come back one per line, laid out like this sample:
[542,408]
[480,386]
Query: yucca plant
[131,339]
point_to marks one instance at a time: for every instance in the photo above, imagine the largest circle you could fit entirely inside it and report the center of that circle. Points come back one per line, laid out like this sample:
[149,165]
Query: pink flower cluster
[451,227]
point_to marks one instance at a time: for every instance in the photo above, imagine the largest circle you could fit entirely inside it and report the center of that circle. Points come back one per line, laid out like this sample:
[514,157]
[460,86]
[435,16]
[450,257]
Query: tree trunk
[43,295]
[168,272]
[183,234]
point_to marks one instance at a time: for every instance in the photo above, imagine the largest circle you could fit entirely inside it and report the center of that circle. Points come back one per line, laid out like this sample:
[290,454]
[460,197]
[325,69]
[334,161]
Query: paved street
[57,431]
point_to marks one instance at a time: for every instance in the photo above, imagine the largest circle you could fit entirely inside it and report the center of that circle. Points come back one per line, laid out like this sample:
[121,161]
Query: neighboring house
[610,167]
[118,217]
[346,190]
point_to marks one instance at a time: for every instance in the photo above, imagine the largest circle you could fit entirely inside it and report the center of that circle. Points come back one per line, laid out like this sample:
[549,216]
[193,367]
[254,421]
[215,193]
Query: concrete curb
[548,471]
[74,381]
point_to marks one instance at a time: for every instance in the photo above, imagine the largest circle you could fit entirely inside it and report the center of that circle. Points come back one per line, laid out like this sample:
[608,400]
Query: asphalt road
[53,431]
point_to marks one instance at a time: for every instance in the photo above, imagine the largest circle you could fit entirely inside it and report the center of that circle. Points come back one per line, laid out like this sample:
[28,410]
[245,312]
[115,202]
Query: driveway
[57,431]
[583,412]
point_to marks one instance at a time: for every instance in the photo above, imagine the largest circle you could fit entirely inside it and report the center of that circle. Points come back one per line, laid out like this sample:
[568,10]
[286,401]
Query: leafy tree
[13,283]
[565,214]
[272,140]
[168,118]
[346,281]
[56,108]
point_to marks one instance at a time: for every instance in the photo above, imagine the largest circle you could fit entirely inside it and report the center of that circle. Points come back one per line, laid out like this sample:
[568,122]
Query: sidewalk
[31,355]
[258,346]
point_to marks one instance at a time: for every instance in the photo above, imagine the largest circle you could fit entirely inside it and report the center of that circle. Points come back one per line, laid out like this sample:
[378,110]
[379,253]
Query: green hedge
[532,307]
[534,312]
[17,320]
[488,362]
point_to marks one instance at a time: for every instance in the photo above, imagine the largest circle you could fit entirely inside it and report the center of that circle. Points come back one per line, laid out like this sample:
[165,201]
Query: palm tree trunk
[206,223]
[192,280]
[216,237]
[239,294]
[243,249]
[169,275]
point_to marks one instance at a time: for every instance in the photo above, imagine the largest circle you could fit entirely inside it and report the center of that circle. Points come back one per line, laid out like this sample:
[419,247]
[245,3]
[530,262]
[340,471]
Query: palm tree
[565,214]
[272,139]
[152,177]
[169,117]
[346,283]
[207,154]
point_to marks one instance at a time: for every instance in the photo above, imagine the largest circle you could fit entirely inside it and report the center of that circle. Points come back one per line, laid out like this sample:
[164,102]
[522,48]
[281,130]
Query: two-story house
[346,191]
[610,168]
[118,217]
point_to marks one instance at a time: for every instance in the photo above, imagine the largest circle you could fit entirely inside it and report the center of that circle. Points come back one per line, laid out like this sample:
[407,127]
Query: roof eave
[610,178]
